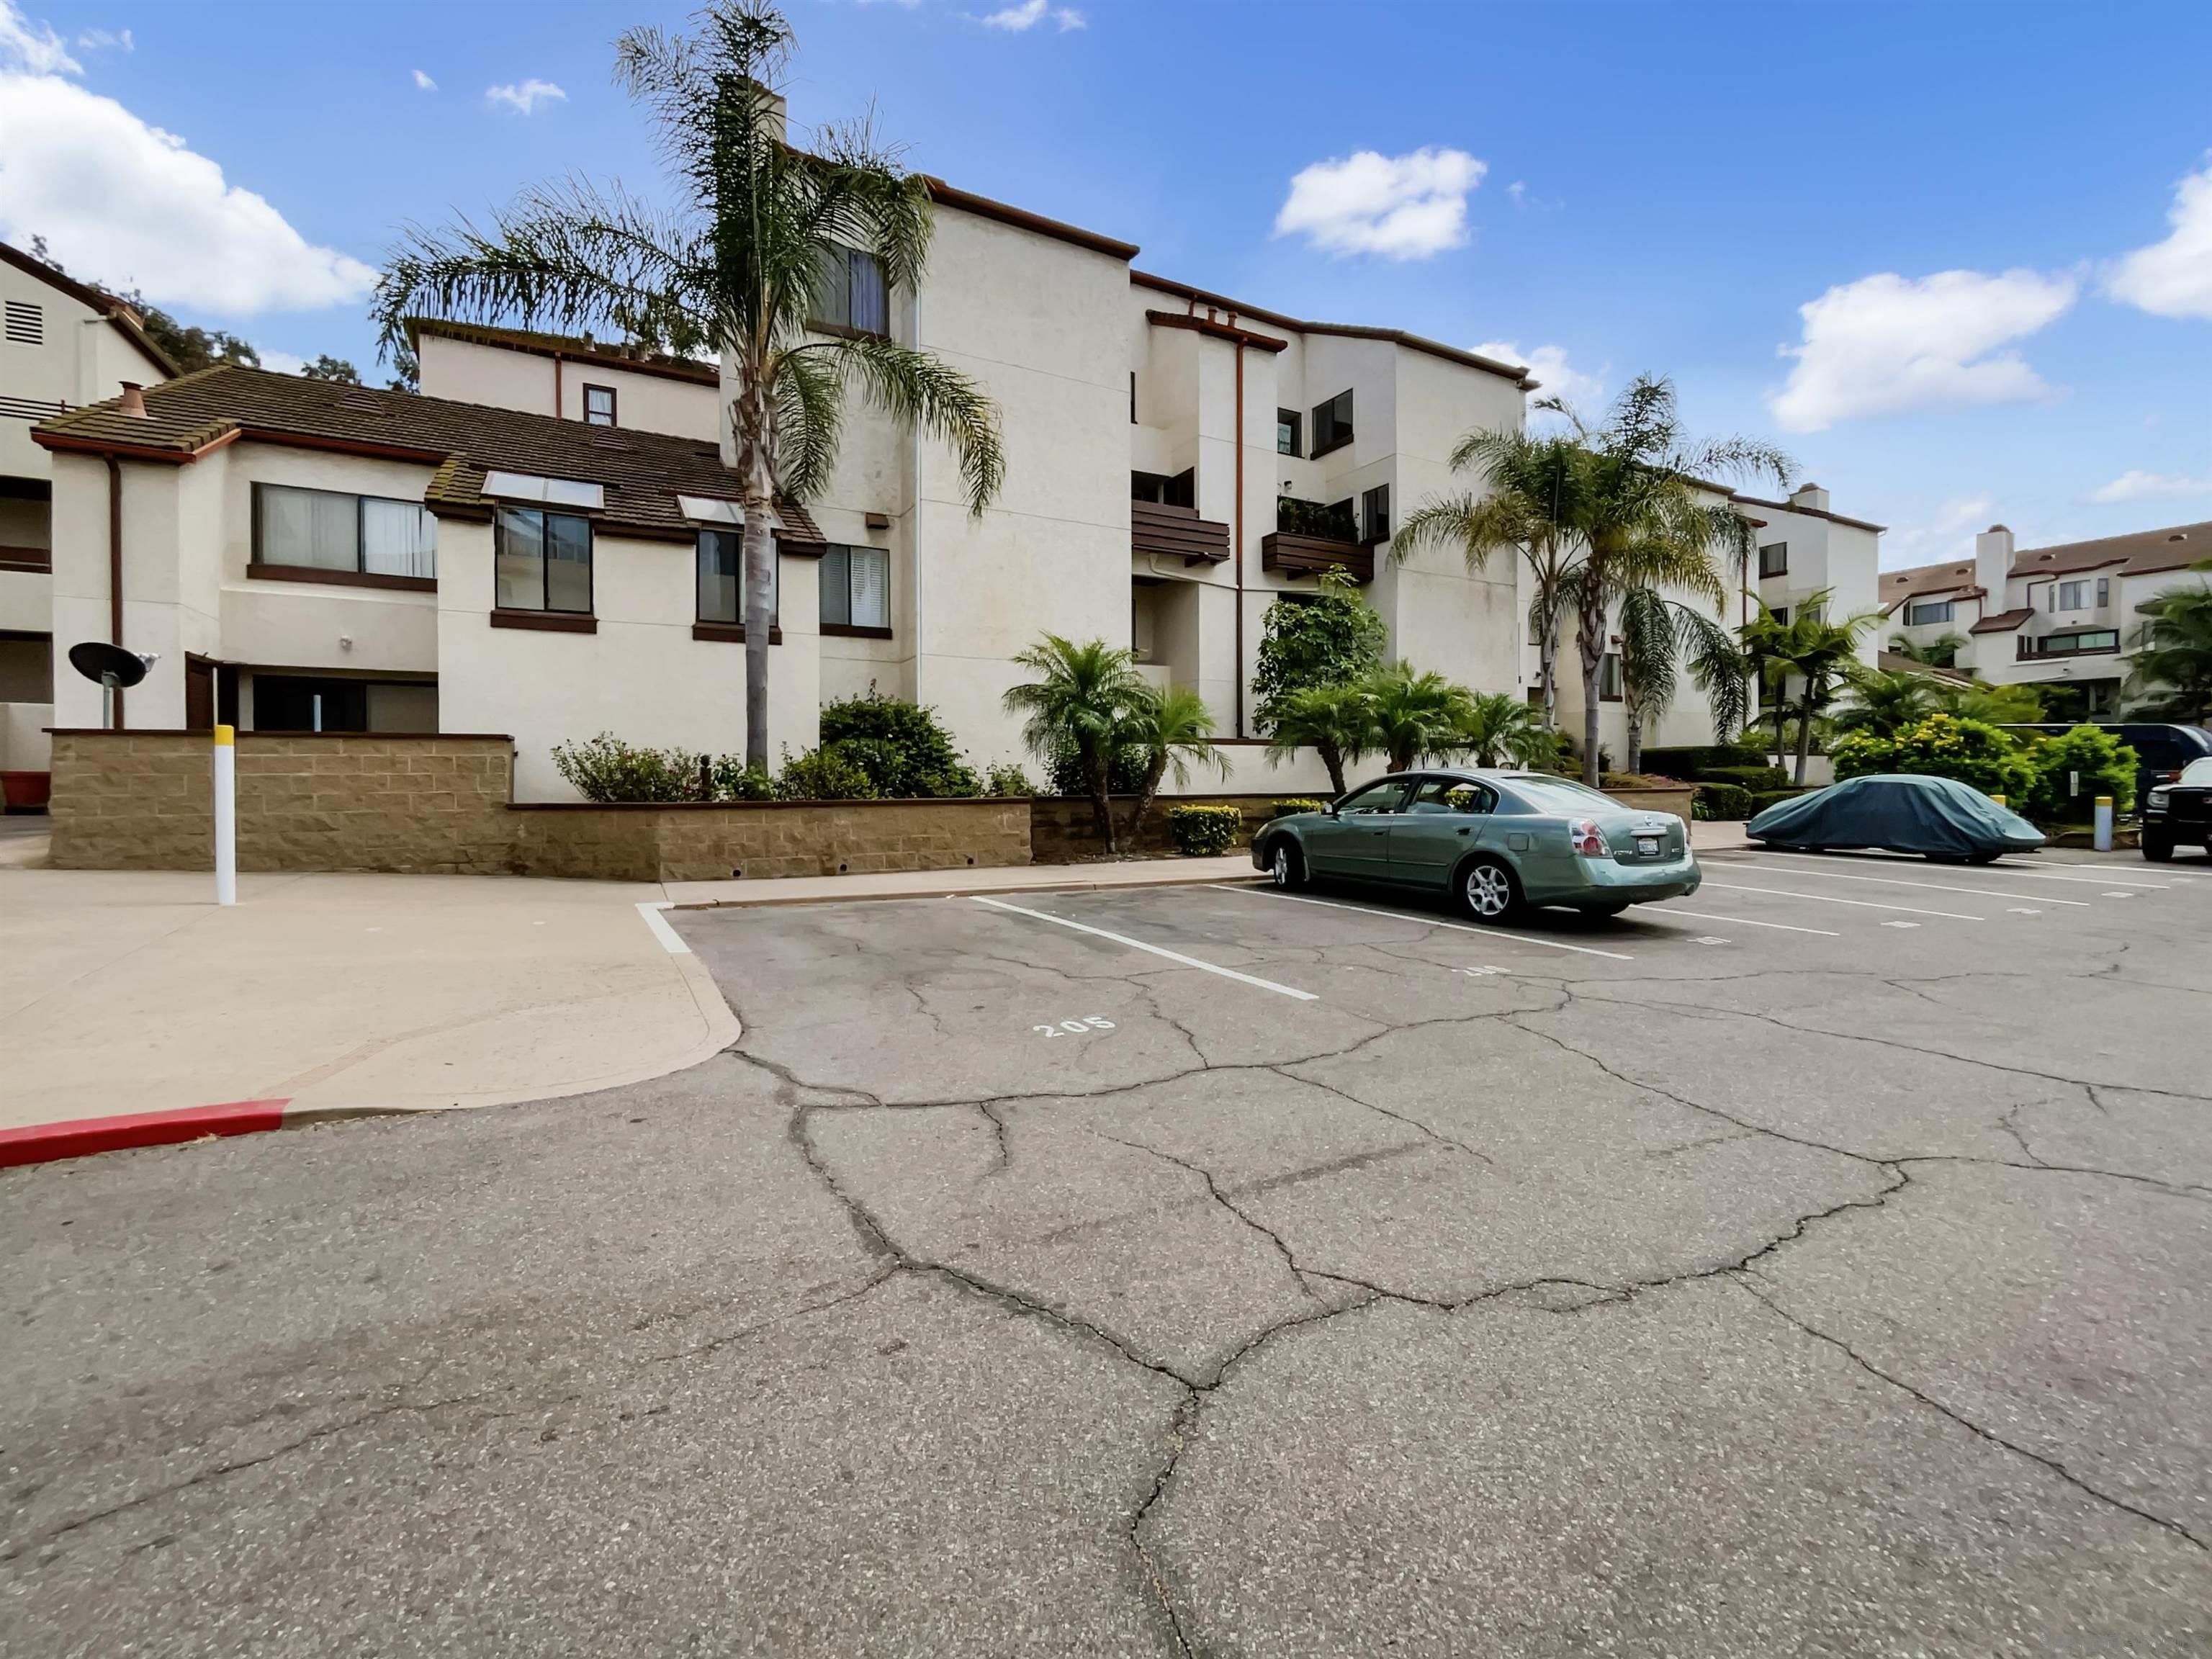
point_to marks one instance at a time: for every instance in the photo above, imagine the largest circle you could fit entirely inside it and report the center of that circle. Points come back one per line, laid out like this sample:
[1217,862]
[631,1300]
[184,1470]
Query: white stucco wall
[470,372]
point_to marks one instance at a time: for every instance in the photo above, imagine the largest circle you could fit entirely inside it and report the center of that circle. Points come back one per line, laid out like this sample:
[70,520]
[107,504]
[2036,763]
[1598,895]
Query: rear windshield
[1557,794]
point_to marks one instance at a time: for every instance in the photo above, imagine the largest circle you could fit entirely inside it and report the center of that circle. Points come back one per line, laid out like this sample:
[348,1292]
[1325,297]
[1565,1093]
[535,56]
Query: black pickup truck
[2179,811]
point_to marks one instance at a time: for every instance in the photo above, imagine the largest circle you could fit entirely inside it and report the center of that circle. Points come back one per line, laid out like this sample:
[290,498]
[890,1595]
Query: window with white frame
[722,579]
[856,588]
[2072,596]
[1921,612]
[356,535]
[542,562]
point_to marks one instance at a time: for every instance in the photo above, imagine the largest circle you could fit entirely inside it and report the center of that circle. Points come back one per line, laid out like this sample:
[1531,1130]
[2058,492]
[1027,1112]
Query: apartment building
[2058,617]
[63,346]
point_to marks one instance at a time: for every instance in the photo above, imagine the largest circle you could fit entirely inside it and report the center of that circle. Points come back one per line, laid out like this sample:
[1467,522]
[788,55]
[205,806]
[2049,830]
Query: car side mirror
[1332,809]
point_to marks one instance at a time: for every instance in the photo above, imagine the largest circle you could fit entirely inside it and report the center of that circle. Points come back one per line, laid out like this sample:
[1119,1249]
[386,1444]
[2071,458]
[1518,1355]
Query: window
[26,323]
[598,405]
[1286,431]
[721,579]
[1774,559]
[856,588]
[1332,424]
[1375,513]
[1376,798]
[1781,615]
[1921,614]
[542,561]
[1434,795]
[2075,642]
[356,535]
[1182,490]
[2104,592]
[1608,678]
[2072,596]
[850,294]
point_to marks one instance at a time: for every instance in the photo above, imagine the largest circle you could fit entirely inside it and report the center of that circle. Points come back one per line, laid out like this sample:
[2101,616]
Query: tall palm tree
[734,271]
[1337,722]
[1501,729]
[1085,698]
[1822,655]
[1533,485]
[2172,668]
[1168,731]
[1418,713]
[1644,521]
[1659,637]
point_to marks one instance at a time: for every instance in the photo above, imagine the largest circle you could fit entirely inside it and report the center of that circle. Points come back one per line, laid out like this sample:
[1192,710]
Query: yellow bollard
[226,815]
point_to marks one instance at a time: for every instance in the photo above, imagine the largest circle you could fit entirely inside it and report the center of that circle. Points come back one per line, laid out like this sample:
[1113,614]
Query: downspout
[115,567]
[913,530]
[556,385]
[1239,533]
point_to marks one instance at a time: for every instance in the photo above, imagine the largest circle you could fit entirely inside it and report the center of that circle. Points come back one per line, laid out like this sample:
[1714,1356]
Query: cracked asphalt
[1820,1266]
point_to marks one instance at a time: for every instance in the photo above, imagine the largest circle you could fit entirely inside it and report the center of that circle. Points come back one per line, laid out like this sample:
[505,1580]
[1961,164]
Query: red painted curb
[44,1143]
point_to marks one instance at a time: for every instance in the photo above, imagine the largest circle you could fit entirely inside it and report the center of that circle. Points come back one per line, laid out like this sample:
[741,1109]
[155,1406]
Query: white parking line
[1894,881]
[2093,881]
[1431,921]
[671,940]
[1654,914]
[1154,950]
[1827,899]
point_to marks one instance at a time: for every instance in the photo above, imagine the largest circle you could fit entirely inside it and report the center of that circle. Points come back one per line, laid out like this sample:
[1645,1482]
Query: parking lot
[1822,1264]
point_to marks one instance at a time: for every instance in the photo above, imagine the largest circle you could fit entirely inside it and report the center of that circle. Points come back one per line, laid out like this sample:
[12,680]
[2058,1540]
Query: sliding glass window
[544,561]
[360,535]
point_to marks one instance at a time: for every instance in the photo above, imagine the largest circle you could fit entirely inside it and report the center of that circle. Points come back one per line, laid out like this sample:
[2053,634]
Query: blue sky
[2001,215]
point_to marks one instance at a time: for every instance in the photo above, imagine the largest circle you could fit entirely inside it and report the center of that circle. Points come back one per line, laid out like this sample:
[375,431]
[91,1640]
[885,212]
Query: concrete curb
[1074,883]
[47,1143]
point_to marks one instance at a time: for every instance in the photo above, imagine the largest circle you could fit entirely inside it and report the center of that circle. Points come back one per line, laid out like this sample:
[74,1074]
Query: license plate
[1647,845]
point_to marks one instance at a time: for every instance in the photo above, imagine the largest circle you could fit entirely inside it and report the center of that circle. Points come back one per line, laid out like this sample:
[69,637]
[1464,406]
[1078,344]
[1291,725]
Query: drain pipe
[115,567]
[1239,531]
[914,521]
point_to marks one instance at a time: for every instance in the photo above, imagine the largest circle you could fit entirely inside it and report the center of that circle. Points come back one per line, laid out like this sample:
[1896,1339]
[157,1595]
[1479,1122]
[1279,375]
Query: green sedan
[1499,843]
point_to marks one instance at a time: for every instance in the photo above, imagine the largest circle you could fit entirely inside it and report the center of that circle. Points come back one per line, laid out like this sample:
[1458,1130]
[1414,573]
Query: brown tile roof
[570,346]
[105,303]
[1811,513]
[1949,577]
[2003,622]
[643,473]
[2176,547]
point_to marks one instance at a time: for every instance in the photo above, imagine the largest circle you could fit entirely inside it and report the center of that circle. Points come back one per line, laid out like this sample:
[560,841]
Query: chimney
[134,400]
[1811,496]
[1993,564]
[775,111]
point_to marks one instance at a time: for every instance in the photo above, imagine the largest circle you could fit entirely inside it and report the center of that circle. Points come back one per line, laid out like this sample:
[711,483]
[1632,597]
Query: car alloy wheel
[1489,889]
[1280,869]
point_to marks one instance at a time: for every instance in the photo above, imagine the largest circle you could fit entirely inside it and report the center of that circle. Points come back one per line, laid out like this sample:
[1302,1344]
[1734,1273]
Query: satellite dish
[105,664]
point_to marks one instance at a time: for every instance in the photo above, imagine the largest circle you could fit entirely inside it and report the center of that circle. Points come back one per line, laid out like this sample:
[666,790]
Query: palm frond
[925,392]
[810,417]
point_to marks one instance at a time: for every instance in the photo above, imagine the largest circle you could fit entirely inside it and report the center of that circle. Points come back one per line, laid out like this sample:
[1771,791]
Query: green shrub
[1759,799]
[1065,774]
[1694,763]
[2107,767]
[1941,746]
[1723,803]
[605,768]
[735,780]
[822,774]
[1283,809]
[1200,832]
[1747,777]
[1008,779]
[902,748]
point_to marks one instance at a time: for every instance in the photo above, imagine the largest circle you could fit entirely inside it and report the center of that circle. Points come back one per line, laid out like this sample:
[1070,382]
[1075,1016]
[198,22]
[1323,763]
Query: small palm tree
[1337,722]
[1886,702]
[1939,652]
[1501,729]
[1168,731]
[1659,637]
[1417,714]
[2172,668]
[735,274]
[1084,700]
[1762,652]
[1535,485]
[1822,655]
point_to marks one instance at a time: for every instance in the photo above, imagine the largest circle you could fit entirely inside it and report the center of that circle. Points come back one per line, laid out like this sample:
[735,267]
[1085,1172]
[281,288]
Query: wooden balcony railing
[1177,532]
[1309,556]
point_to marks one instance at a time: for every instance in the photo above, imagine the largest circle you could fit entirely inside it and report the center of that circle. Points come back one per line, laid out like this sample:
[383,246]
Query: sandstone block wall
[1061,831]
[767,839]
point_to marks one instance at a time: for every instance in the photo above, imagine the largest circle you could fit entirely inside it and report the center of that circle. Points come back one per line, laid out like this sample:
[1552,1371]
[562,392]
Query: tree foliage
[2172,668]
[1941,746]
[2095,760]
[1332,637]
[1418,714]
[1083,700]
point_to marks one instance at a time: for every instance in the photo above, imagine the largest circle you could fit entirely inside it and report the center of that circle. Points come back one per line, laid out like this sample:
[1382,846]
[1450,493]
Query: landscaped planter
[1676,800]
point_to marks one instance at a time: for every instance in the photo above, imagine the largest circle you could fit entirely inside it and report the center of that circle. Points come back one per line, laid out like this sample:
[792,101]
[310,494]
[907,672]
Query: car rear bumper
[1609,882]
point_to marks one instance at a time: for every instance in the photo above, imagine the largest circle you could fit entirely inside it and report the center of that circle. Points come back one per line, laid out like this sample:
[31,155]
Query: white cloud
[1019,19]
[35,48]
[1888,344]
[424,83]
[1548,365]
[1403,207]
[1948,534]
[526,96]
[282,362]
[2135,485]
[129,205]
[2173,278]
[103,40]
[1516,189]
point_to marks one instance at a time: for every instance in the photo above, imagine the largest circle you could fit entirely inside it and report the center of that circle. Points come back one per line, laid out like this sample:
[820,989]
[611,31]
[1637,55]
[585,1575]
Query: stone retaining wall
[1061,831]
[759,840]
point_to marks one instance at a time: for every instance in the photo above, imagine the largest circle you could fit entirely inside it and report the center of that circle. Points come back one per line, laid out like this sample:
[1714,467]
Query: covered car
[1899,812]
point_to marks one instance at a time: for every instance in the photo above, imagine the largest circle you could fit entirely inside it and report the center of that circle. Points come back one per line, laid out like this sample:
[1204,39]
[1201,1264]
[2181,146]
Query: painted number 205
[1077,1027]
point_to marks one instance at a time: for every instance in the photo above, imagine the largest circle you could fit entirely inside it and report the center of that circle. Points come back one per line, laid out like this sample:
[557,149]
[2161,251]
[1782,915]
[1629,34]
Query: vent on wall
[26,323]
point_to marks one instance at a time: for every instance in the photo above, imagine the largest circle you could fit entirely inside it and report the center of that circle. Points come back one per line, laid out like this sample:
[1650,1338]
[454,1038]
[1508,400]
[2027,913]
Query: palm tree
[1939,652]
[1416,713]
[1337,722]
[1659,637]
[1644,521]
[1085,698]
[1168,730]
[2173,648]
[1501,729]
[1889,701]
[735,271]
[1535,485]
[1764,644]
[1822,655]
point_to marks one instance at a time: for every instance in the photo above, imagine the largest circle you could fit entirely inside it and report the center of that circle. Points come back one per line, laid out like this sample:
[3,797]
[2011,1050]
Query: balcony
[1177,532]
[1297,555]
[2080,642]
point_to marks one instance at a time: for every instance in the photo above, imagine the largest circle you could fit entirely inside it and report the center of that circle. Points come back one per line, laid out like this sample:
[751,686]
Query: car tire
[1487,890]
[1286,865]
[1984,858]
[2158,849]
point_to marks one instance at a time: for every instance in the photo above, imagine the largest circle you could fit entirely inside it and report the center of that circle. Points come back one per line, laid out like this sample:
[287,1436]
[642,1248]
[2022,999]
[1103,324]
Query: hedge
[1694,763]
[1747,777]
[1283,809]
[1763,798]
[1722,802]
[1200,832]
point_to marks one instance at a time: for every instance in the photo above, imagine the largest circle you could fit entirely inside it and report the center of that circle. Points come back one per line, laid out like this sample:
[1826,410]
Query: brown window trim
[1331,449]
[853,631]
[550,621]
[734,633]
[845,331]
[301,573]
[27,558]
[614,406]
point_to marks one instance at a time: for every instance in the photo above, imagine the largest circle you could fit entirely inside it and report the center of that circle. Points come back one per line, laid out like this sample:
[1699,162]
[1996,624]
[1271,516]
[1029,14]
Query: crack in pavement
[1213,1191]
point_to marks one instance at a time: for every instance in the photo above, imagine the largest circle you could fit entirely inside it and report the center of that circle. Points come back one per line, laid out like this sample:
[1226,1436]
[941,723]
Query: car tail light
[1584,837]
